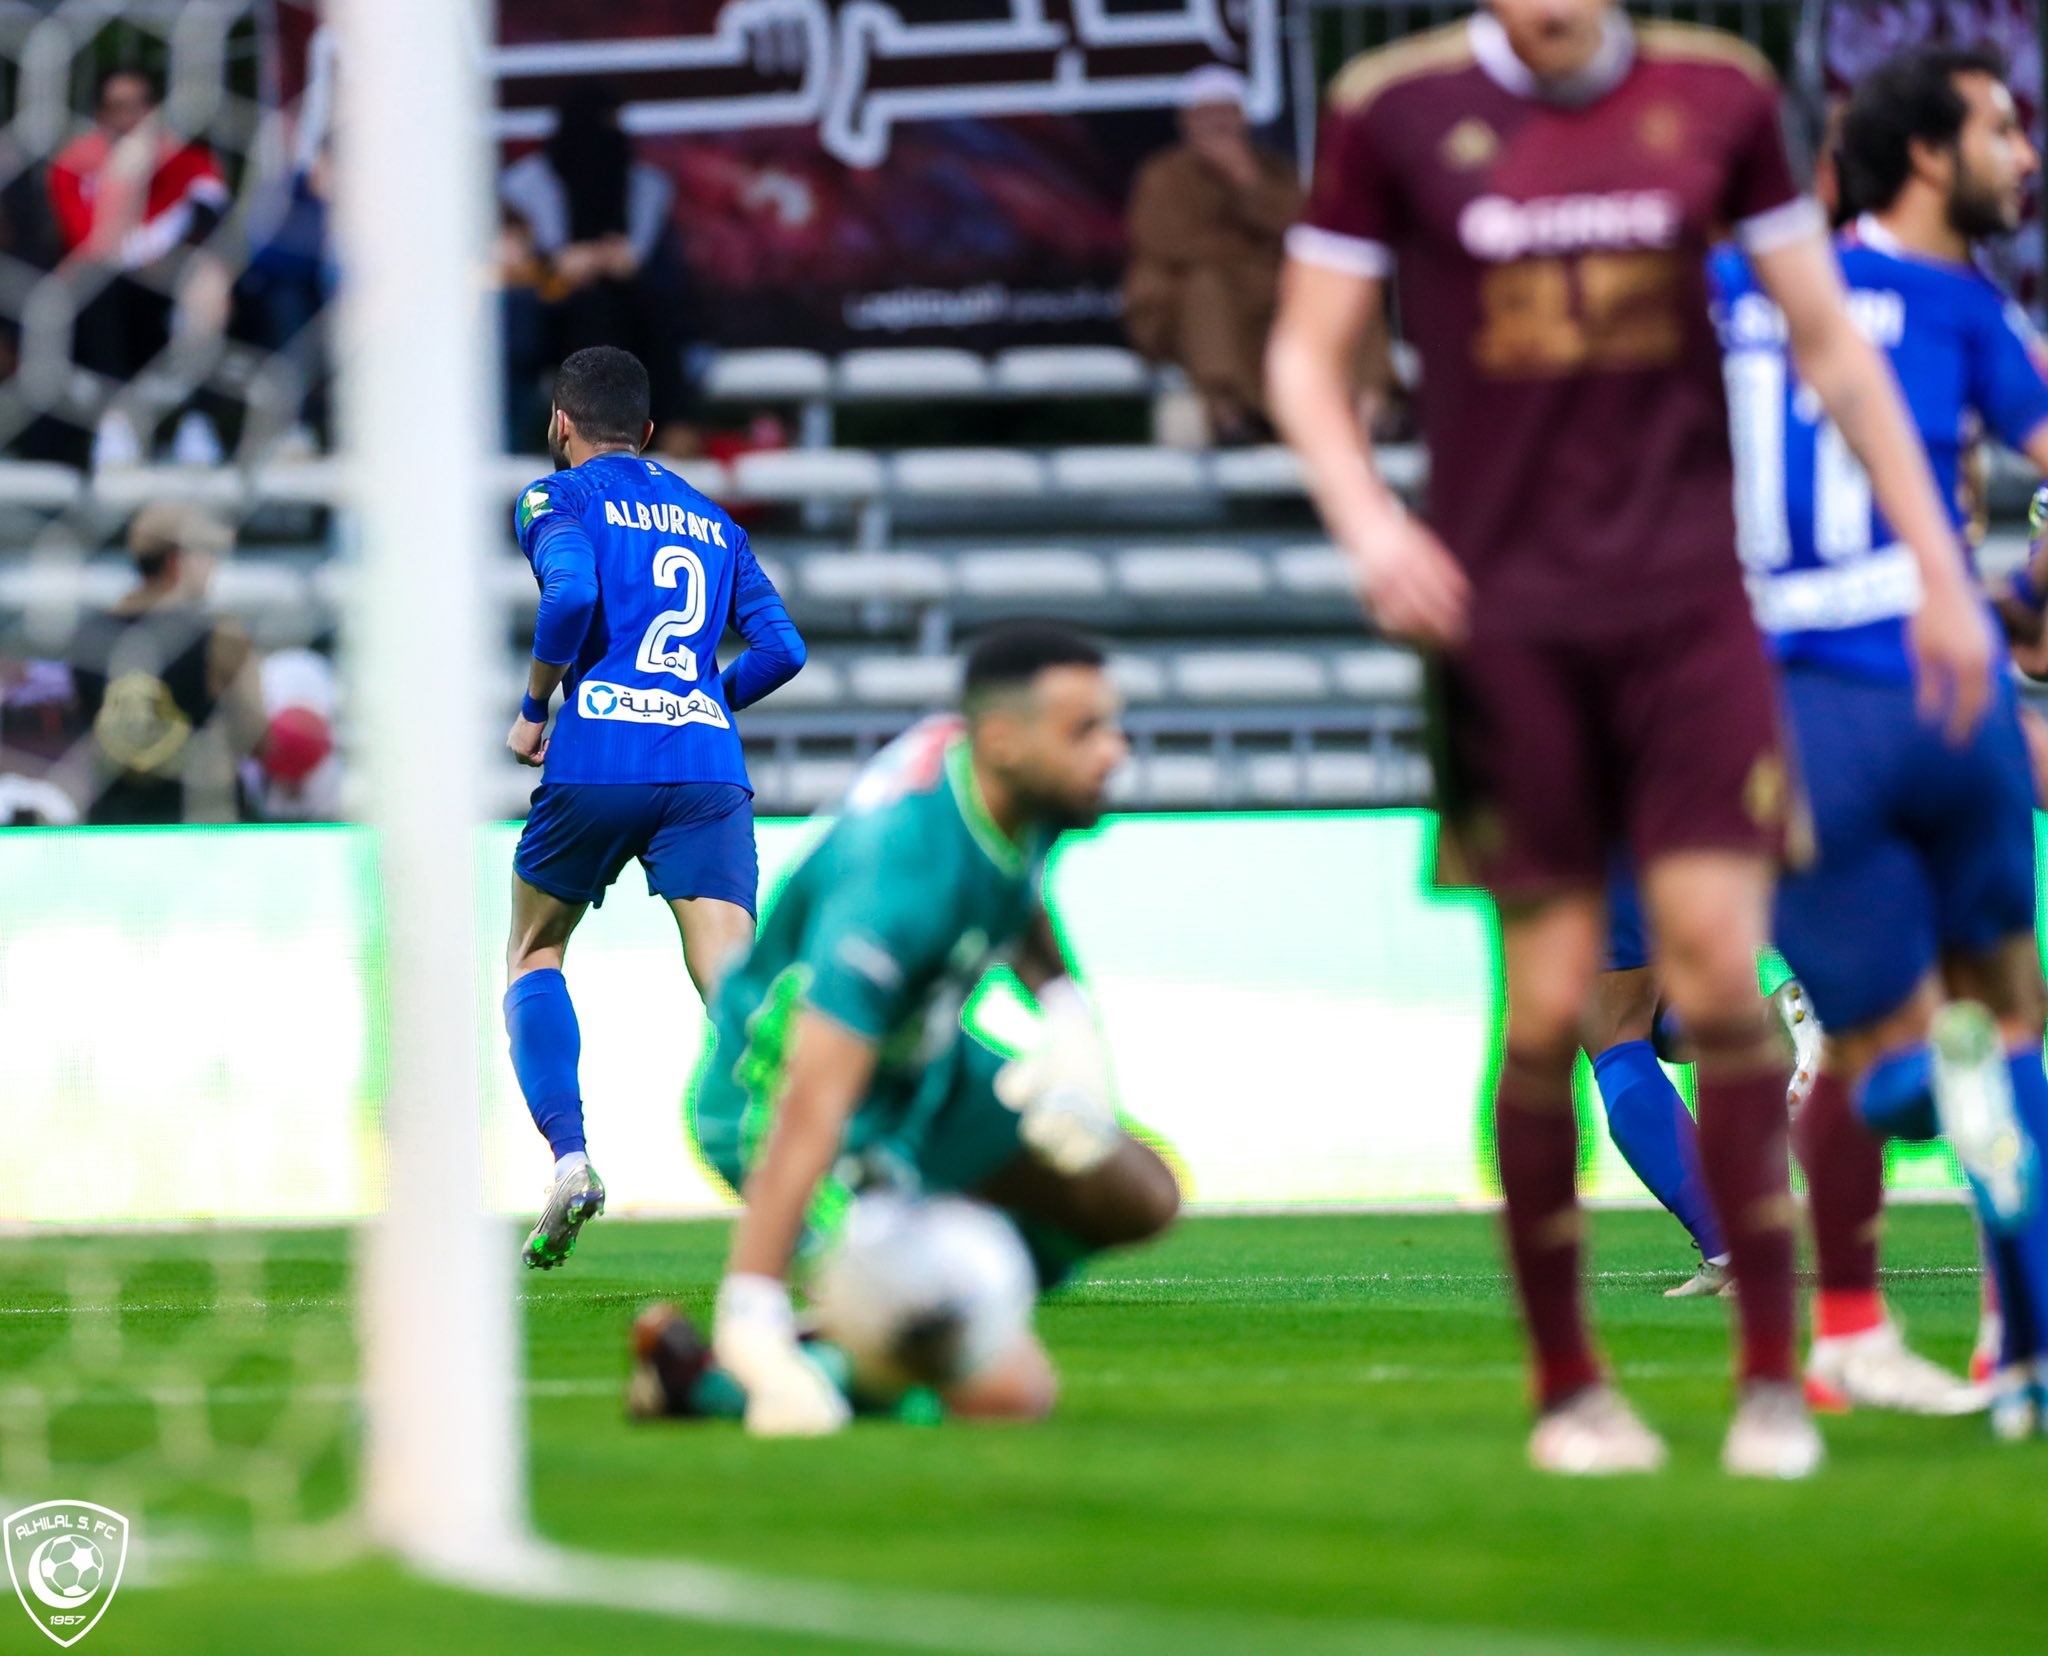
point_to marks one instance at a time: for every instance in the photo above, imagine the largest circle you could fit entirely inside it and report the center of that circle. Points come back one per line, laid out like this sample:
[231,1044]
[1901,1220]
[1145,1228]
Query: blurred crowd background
[959,306]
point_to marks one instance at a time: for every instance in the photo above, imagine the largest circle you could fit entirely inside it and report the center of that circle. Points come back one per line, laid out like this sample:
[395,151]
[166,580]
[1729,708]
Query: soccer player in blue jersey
[640,577]
[1913,928]
[1629,1037]
[1646,1117]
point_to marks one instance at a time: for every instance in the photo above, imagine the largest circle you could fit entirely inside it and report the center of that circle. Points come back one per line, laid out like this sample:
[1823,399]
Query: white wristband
[744,1297]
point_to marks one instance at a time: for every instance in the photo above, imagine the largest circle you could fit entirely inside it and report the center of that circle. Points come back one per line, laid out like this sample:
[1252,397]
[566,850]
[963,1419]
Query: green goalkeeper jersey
[891,920]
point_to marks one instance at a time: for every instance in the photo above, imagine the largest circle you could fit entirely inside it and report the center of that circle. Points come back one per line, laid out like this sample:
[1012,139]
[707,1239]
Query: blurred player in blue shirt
[1913,927]
[640,577]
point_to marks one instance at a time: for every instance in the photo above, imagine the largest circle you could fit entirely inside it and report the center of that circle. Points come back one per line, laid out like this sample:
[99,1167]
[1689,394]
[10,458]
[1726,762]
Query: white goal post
[445,1463]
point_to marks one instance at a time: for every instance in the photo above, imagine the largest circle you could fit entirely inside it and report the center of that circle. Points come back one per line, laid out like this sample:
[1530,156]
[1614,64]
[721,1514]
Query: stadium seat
[909,374]
[819,685]
[708,477]
[1179,779]
[1250,675]
[767,376]
[1139,678]
[968,472]
[812,783]
[511,473]
[1071,371]
[1273,778]
[1127,471]
[318,481]
[1378,675]
[905,681]
[1348,778]
[122,490]
[63,586]
[1313,571]
[1402,466]
[1271,470]
[39,485]
[857,577]
[786,475]
[1191,572]
[257,588]
[1050,573]
[332,584]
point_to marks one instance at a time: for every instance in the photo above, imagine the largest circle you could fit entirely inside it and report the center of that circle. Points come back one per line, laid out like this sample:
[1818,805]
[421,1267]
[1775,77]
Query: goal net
[246,409]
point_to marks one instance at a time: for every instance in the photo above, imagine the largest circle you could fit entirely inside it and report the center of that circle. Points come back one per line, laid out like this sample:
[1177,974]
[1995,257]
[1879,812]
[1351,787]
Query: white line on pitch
[1079,1290]
[970,1625]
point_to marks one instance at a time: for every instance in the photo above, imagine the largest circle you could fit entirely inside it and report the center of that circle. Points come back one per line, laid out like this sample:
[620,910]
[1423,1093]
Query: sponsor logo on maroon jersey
[1496,229]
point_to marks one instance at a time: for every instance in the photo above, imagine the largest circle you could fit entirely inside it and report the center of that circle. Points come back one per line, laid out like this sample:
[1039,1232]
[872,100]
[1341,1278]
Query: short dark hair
[605,391]
[1911,99]
[1006,659]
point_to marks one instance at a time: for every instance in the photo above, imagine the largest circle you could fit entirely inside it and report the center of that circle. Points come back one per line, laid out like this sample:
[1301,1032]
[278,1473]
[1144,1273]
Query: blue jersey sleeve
[775,650]
[549,525]
[2009,371]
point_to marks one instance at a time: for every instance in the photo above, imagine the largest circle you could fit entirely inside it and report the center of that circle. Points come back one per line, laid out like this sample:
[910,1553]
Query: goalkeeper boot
[671,1361]
[574,1199]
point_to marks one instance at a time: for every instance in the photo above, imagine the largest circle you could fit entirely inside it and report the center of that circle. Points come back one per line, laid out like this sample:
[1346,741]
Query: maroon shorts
[1553,754]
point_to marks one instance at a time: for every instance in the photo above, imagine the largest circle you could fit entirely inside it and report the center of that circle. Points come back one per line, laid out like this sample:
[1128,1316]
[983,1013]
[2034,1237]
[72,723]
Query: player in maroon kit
[1544,180]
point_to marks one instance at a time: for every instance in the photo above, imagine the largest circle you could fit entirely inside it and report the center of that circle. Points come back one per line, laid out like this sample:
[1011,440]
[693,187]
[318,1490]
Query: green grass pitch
[1276,1435]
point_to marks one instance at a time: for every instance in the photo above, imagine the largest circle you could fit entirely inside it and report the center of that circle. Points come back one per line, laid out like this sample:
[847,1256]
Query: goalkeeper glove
[1061,1088]
[755,1341]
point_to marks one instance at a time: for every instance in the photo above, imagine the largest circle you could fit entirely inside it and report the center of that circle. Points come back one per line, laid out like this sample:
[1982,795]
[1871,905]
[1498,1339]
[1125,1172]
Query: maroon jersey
[1549,245]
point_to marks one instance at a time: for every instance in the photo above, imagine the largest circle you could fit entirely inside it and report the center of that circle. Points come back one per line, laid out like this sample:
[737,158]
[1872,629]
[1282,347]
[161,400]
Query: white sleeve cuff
[1796,221]
[1353,255]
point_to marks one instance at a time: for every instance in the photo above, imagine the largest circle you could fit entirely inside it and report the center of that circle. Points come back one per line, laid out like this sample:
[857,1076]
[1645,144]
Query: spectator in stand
[134,204]
[587,232]
[291,276]
[1206,222]
[171,689]
[295,775]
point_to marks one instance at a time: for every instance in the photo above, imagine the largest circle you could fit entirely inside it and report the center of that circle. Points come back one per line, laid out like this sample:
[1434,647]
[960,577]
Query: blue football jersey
[643,699]
[1830,582]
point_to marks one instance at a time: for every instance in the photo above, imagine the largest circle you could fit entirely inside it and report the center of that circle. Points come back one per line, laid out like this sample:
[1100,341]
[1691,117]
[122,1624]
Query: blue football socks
[1656,1136]
[1897,1096]
[546,1047]
[2019,1260]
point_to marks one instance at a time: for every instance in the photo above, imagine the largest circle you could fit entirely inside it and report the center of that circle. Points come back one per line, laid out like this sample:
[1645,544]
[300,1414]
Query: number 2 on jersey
[661,646]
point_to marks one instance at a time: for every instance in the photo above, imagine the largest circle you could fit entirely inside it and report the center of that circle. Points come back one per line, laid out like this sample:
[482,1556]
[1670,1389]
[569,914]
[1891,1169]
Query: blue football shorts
[1922,847]
[694,839]
[1628,944]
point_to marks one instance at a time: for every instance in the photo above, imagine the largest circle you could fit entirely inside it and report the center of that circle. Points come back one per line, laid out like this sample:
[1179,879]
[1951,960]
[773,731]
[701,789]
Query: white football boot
[1973,1097]
[1877,1370]
[1594,1434]
[1808,1039]
[1712,1279]
[1772,1435]
[2016,1403]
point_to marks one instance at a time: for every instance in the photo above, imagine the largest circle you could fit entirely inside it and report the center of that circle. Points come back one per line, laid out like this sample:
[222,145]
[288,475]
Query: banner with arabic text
[857,172]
